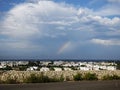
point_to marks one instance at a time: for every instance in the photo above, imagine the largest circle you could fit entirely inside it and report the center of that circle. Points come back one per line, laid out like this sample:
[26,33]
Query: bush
[67,78]
[111,77]
[36,79]
[1,81]
[77,77]
[42,79]
[116,77]
[90,76]
[54,79]
[61,78]
[11,81]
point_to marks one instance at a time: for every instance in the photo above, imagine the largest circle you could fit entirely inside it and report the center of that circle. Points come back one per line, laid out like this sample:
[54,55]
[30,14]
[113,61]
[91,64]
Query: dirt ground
[82,85]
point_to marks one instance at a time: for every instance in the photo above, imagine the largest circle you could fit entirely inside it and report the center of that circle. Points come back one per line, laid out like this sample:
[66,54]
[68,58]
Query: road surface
[82,85]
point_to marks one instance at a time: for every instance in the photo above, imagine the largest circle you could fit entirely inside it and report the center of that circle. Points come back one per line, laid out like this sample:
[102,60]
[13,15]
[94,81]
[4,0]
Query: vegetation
[41,79]
[44,78]
[1,81]
[6,68]
[11,81]
[67,78]
[86,76]
[90,76]
[78,77]
[23,67]
[51,68]
[83,65]
[73,68]
[35,63]
[118,65]
[36,79]
[111,77]
[61,78]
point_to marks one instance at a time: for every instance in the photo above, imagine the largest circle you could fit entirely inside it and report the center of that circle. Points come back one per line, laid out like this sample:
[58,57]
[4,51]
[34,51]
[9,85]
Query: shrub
[54,79]
[111,77]
[67,78]
[11,81]
[77,77]
[42,79]
[116,77]
[90,76]
[1,81]
[61,78]
[37,79]
[52,69]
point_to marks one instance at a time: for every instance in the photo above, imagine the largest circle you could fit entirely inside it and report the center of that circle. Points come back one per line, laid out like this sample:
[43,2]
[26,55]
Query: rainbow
[64,47]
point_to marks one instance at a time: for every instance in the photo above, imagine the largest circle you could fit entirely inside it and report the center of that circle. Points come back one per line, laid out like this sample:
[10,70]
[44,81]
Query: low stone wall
[21,75]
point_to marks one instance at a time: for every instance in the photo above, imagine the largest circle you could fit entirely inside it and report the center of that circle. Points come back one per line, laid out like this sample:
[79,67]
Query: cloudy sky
[60,29]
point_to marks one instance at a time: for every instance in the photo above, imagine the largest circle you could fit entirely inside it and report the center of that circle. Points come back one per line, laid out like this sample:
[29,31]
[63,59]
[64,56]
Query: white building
[32,68]
[22,62]
[2,66]
[67,69]
[111,68]
[67,65]
[45,62]
[84,68]
[44,69]
[103,67]
[57,69]
[58,63]
[96,67]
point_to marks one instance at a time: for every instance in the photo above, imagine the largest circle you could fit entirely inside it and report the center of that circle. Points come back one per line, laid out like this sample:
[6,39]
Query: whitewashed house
[84,68]
[111,68]
[22,62]
[2,66]
[57,69]
[67,65]
[67,69]
[32,68]
[45,62]
[58,63]
[96,67]
[103,67]
[44,69]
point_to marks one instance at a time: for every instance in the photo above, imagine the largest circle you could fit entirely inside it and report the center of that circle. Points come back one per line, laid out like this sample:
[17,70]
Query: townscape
[59,44]
[58,65]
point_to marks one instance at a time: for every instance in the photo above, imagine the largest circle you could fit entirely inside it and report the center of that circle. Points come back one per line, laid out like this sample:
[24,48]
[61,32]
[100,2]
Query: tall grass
[86,76]
[78,77]
[111,77]
[33,77]
[90,76]
[11,81]
[41,79]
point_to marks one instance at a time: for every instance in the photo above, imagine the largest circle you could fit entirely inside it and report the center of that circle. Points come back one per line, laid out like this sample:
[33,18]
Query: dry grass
[20,76]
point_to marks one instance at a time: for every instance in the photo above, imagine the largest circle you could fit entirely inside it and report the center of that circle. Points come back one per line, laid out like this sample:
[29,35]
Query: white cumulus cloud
[106,42]
[50,24]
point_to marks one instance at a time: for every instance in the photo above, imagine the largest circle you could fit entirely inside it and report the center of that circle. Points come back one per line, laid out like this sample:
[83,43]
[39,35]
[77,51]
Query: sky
[60,29]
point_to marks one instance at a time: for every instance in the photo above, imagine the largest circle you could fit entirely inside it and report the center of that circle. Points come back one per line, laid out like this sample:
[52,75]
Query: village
[58,65]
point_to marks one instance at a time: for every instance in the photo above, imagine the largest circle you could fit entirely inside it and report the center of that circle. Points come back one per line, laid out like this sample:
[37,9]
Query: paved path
[82,85]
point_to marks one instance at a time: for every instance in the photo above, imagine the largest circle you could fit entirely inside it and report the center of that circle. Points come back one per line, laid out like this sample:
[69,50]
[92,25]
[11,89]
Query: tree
[118,65]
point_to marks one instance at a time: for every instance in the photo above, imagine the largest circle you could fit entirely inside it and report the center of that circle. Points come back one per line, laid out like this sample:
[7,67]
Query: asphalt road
[82,85]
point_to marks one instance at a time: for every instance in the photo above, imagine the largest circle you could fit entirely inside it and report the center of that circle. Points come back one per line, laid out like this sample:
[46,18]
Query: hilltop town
[57,71]
[57,65]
